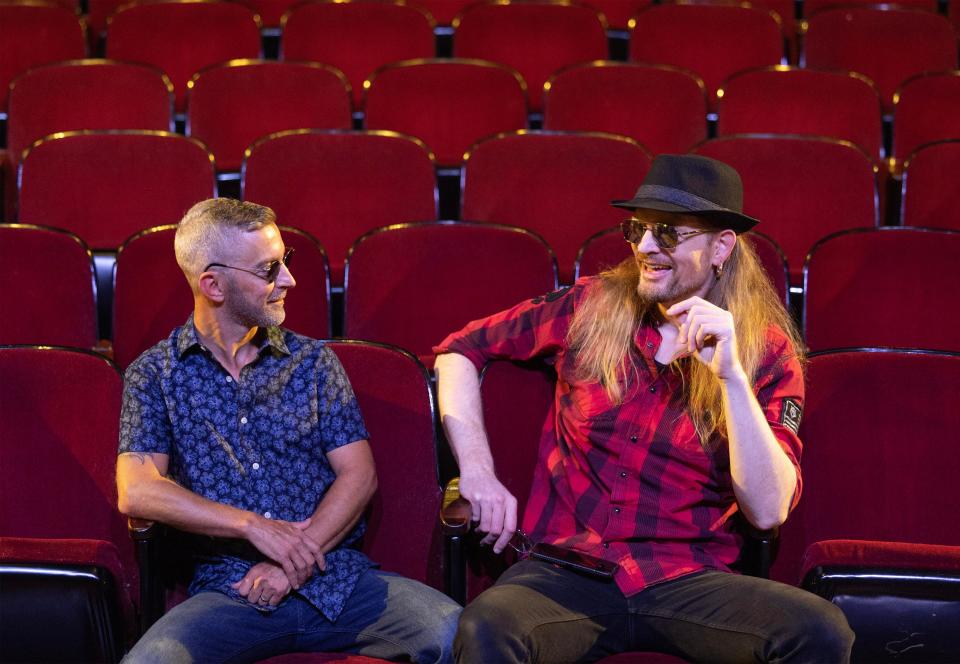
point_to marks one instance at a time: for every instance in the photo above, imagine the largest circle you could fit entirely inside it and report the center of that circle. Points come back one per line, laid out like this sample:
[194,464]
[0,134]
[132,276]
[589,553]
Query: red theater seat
[535,38]
[618,12]
[883,287]
[449,104]
[106,185]
[231,105]
[413,284]
[713,41]
[887,45]
[339,185]
[67,570]
[356,37]
[557,184]
[151,295]
[47,274]
[800,188]
[788,100]
[182,37]
[664,108]
[926,108]
[929,190]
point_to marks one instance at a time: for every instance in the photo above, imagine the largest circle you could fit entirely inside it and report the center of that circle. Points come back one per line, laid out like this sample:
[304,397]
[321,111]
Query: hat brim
[724,218]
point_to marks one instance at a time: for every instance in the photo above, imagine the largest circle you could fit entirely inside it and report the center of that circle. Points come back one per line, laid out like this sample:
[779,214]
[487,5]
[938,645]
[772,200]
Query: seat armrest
[454,510]
[146,538]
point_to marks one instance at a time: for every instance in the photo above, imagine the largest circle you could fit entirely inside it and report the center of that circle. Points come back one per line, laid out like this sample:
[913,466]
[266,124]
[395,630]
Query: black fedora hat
[695,185]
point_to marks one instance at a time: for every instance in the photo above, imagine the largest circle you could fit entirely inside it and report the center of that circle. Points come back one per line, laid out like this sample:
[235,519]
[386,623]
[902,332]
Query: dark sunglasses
[268,274]
[665,235]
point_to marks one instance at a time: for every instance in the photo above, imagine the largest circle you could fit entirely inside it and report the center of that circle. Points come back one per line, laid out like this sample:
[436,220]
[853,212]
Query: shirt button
[243,420]
[649,344]
[653,389]
[229,379]
[623,474]
[633,439]
[256,466]
[268,515]
[616,510]
[606,545]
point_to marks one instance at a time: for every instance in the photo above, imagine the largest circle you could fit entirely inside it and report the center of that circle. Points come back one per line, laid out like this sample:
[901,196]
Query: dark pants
[537,612]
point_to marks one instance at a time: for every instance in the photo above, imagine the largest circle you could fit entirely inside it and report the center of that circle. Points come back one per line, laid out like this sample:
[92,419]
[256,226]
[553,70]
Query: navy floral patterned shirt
[258,444]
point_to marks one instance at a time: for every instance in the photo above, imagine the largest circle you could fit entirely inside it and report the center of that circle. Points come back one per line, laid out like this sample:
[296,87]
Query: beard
[249,313]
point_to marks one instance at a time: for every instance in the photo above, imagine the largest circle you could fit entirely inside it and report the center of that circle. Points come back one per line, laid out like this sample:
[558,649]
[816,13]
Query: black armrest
[146,535]
[455,524]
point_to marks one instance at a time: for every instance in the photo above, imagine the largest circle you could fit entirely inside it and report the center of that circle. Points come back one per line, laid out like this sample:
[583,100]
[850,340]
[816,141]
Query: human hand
[707,331]
[492,507]
[265,584]
[287,544]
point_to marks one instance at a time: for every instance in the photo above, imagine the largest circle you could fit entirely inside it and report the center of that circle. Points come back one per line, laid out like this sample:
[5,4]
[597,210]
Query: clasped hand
[707,332]
[292,553]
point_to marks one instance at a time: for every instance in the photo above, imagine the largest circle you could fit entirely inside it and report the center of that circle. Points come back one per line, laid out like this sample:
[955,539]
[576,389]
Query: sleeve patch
[791,414]
[550,297]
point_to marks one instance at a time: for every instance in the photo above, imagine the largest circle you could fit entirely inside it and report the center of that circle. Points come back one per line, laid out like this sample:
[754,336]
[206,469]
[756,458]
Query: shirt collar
[270,337]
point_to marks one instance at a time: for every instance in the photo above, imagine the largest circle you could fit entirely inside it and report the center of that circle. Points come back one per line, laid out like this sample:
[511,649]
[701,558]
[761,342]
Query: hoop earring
[718,270]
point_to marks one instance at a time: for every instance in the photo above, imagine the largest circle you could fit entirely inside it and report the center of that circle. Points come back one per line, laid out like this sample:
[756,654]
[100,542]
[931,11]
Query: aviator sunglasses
[268,274]
[665,235]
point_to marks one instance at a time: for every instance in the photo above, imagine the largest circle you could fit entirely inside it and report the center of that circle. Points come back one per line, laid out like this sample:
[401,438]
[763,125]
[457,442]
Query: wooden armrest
[454,510]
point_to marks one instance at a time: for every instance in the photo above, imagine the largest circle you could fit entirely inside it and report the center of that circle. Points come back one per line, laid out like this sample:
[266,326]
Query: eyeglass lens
[664,235]
[274,268]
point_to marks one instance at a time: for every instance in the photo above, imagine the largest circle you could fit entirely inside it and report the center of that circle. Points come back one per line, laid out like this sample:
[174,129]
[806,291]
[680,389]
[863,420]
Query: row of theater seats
[412,284]
[337,185]
[713,41]
[873,531]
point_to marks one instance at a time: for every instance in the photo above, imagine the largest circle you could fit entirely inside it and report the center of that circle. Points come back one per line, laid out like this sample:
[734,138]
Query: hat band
[679,197]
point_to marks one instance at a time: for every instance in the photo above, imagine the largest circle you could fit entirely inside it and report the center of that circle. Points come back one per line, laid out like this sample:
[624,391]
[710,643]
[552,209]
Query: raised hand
[707,331]
[492,507]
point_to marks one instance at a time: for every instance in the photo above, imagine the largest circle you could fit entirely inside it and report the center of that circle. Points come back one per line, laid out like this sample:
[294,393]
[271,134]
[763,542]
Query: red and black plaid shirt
[630,483]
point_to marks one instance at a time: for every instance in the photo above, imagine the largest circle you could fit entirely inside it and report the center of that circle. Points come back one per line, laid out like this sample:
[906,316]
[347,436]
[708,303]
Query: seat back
[607,249]
[443,11]
[413,284]
[231,105]
[35,33]
[663,108]
[558,185]
[800,188]
[886,45]
[781,100]
[883,287]
[536,38]
[448,104]
[107,185]
[712,41]
[48,277]
[182,37]
[393,391]
[618,12]
[926,108]
[339,185]
[356,37]
[151,296]
[59,425]
[879,459]
[86,94]
[929,195]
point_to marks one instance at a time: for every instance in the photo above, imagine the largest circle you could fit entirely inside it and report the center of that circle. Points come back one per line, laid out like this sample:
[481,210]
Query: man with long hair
[679,395]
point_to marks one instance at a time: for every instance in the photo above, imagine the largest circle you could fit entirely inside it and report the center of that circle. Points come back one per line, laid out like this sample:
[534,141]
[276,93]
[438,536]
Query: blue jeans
[537,612]
[387,616]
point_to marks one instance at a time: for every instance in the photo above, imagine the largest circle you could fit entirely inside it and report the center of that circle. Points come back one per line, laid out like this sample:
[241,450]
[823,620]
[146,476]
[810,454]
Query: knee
[486,633]
[822,632]
[161,650]
[438,636]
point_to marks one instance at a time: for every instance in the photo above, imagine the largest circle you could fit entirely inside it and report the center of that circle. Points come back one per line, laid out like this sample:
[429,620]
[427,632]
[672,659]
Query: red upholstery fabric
[811,7]
[953,11]
[618,12]
[151,296]
[888,45]
[885,555]
[98,11]
[32,34]
[62,551]
[448,104]
[230,106]
[59,423]
[182,37]
[414,284]
[800,188]
[927,109]
[608,248]
[356,37]
[713,41]
[443,11]
[339,185]
[929,192]
[883,287]
[536,39]
[776,100]
[877,430]
[393,391]
[106,185]
[47,275]
[661,107]
[557,184]
[270,11]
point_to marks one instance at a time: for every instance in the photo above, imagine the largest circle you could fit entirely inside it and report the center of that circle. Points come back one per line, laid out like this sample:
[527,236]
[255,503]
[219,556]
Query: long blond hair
[604,325]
